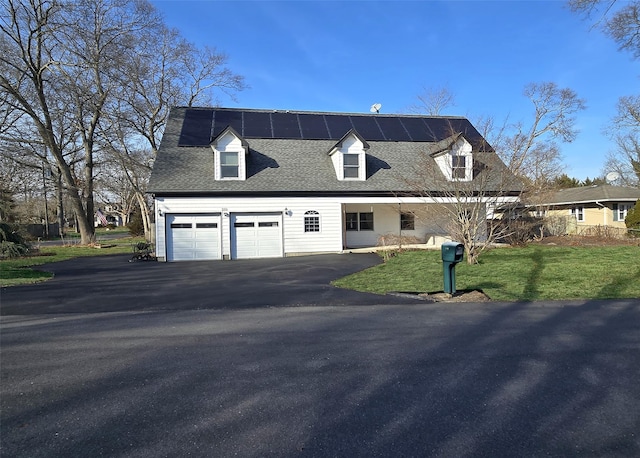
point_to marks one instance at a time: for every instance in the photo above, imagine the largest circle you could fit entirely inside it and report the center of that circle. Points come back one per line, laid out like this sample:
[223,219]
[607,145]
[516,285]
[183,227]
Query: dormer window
[458,167]
[456,162]
[230,151]
[229,165]
[351,165]
[349,157]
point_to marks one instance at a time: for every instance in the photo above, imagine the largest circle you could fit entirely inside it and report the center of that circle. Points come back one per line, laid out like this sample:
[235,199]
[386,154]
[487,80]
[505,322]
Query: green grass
[18,271]
[100,231]
[514,274]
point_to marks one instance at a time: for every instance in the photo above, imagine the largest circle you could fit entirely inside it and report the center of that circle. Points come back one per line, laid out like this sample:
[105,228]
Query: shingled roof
[597,193]
[288,151]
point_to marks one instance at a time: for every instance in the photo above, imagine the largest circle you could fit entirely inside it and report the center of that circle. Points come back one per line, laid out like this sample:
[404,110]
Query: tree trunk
[144,212]
[59,204]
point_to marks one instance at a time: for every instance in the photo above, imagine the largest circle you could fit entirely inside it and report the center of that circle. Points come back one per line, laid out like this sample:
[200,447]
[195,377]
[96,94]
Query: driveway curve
[112,284]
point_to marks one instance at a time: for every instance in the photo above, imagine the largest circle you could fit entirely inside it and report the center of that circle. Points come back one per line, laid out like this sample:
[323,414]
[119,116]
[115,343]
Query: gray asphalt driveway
[111,283]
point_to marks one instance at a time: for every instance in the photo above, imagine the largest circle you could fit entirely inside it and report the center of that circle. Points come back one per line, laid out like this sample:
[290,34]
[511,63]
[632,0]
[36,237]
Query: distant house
[109,214]
[234,183]
[585,209]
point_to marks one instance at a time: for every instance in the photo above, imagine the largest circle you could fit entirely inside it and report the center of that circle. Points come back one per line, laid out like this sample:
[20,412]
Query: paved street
[417,379]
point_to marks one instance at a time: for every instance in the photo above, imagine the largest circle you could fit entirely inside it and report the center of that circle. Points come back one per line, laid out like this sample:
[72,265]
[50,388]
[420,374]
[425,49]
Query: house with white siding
[244,183]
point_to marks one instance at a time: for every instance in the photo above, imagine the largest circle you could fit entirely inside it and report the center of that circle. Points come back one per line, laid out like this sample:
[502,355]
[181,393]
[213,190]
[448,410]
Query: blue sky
[345,56]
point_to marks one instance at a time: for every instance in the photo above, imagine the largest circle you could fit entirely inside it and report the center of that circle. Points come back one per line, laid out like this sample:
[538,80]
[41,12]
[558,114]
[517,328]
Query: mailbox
[452,254]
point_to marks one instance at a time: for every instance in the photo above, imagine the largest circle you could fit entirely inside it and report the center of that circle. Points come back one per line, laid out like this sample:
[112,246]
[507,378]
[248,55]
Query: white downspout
[604,213]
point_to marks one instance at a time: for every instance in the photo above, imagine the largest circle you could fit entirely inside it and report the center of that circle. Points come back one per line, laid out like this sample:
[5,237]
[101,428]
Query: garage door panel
[193,237]
[257,235]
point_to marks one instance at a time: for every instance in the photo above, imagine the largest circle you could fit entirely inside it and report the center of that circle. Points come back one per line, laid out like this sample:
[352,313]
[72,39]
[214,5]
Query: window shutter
[615,212]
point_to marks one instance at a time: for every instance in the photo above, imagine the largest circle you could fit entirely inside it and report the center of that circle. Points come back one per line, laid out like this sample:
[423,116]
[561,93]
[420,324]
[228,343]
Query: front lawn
[512,274]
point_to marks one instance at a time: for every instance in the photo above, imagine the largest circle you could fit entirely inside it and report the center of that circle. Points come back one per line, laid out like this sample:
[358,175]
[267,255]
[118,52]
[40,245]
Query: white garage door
[256,235]
[193,237]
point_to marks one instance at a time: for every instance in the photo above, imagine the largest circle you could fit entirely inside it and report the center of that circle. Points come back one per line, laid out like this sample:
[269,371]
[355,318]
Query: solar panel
[367,127]
[393,129]
[201,125]
[257,124]
[285,125]
[313,127]
[443,128]
[196,128]
[417,129]
[224,119]
[338,126]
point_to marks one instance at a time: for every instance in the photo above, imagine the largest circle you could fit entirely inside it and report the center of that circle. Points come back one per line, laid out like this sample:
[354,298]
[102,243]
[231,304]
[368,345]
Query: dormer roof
[444,146]
[232,131]
[351,133]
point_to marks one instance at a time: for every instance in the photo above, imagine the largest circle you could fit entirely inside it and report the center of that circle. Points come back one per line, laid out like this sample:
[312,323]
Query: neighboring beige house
[588,210]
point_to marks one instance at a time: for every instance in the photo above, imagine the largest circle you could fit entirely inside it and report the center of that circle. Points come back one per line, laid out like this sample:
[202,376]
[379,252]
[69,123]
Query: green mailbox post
[452,254]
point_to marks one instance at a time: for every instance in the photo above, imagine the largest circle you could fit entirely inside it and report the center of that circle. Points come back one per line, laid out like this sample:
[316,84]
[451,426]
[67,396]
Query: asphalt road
[203,375]
[426,379]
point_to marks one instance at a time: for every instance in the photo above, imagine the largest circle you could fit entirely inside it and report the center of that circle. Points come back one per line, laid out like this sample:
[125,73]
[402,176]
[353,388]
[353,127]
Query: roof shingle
[297,164]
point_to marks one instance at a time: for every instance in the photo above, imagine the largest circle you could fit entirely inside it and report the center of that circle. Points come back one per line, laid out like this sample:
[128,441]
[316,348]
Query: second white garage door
[256,235]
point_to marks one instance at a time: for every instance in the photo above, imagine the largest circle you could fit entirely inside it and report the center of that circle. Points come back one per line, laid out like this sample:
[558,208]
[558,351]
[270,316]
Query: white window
[229,165]
[578,213]
[620,211]
[312,221]
[459,167]
[351,164]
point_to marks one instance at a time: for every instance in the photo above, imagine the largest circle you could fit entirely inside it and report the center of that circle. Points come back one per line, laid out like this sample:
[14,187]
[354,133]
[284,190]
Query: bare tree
[71,70]
[518,157]
[619,20]
[625,126]
[170,72]
[625,159]
[57,69]
[530,150]
[462,196]
[433,101]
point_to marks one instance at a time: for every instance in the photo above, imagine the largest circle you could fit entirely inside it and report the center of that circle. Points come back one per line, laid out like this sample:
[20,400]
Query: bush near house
[12,245]
[632,221]
[135,224]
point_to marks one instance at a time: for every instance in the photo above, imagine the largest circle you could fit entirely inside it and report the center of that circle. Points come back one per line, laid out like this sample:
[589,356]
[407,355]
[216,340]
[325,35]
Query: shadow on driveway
[112,284]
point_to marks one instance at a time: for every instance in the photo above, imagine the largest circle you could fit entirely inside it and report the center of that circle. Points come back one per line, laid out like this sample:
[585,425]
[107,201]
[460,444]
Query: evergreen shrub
[12,245]
[632,221]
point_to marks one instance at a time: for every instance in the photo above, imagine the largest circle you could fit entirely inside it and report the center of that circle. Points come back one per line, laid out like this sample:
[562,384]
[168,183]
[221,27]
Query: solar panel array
[202,125]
